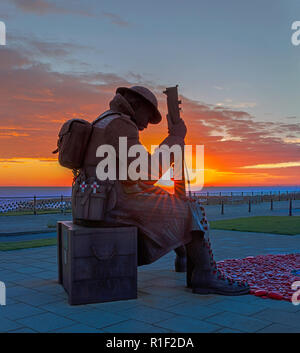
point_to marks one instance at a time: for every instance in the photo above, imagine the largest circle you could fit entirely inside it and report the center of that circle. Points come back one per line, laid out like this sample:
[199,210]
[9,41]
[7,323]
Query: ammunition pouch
[91,199]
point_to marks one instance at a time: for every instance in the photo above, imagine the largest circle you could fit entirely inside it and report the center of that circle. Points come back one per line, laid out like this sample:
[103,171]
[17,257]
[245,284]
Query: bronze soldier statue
[165,222]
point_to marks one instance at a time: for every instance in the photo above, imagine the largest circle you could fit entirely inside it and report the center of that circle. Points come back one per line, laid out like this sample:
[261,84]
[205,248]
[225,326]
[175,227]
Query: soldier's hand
[178,129]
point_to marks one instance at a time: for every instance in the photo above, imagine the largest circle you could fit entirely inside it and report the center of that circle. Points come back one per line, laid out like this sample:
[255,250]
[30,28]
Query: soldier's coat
[164,221]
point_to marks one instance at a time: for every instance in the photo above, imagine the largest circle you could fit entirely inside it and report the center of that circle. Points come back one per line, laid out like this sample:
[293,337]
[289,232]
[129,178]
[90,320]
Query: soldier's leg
[202,273]
[180,260]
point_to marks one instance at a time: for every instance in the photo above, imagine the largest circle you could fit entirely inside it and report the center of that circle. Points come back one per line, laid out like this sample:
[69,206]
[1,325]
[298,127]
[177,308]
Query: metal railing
[61,203]
[35,204]
[213,198]
[286,202]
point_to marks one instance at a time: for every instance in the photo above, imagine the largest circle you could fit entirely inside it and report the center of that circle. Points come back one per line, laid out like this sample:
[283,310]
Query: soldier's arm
[124,127]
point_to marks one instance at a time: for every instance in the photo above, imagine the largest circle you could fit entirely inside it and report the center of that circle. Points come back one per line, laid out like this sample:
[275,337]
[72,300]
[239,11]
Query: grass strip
[261,224]
[18,245]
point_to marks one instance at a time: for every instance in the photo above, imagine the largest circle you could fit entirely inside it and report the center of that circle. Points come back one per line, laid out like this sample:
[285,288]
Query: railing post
[61,204]
[249,208]
[291,207]
[222,207]
[271,204]
[34,205]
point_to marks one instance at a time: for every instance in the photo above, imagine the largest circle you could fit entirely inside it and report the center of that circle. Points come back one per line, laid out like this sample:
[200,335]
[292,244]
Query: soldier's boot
[181,259]
[202,273]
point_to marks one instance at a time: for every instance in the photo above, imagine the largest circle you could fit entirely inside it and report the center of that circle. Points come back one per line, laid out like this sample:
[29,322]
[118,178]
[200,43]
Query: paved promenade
[36,303]
[30,224]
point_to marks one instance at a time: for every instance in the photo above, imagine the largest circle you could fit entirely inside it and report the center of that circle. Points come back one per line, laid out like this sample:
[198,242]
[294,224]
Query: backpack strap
[104,115]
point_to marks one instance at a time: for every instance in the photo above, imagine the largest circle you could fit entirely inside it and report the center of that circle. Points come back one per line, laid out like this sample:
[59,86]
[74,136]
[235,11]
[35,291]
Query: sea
[20,192]
[17,192]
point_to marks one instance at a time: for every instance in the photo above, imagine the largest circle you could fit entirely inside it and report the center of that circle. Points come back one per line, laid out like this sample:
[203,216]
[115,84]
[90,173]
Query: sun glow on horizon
[48,172]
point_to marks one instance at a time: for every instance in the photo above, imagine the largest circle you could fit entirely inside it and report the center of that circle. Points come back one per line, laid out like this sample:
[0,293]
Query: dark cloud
[42,7]
[11,58]
[35,48]
[116,19]
[54,49]
[295,128]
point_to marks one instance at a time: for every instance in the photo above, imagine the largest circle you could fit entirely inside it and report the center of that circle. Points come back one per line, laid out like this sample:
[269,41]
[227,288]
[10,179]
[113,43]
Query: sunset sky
[237,71]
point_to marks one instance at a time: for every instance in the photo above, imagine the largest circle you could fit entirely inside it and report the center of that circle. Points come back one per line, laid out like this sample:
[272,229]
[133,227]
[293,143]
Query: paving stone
[47,275]
[46,322]
[10,284]
[52,259]
[165,282]
[116,306]
[62,308]
[198,299]
[6,274]
[79,328]
[8,325]
[279,316]
[239,322]
[10,301]
[159,302]
[19,311]
[10,266]
[23,330]
[37,299]
[51,289]
[130,326]
[13,277]
[194,310]
[19,291]
[29,270]
[282,305]
[96,318]
[164,291]
[279,328]
[237,307]
[251,299]
[146,314]
[187,324]
[228,330]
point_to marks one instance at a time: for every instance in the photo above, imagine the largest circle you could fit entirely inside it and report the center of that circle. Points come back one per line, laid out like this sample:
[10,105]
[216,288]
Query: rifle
[173,117]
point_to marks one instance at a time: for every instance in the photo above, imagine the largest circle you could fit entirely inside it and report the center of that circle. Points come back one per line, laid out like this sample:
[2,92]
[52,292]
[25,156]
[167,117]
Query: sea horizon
[53,191]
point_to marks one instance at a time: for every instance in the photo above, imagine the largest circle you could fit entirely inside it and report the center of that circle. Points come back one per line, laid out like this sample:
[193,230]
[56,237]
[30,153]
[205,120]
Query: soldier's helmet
[147,96]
